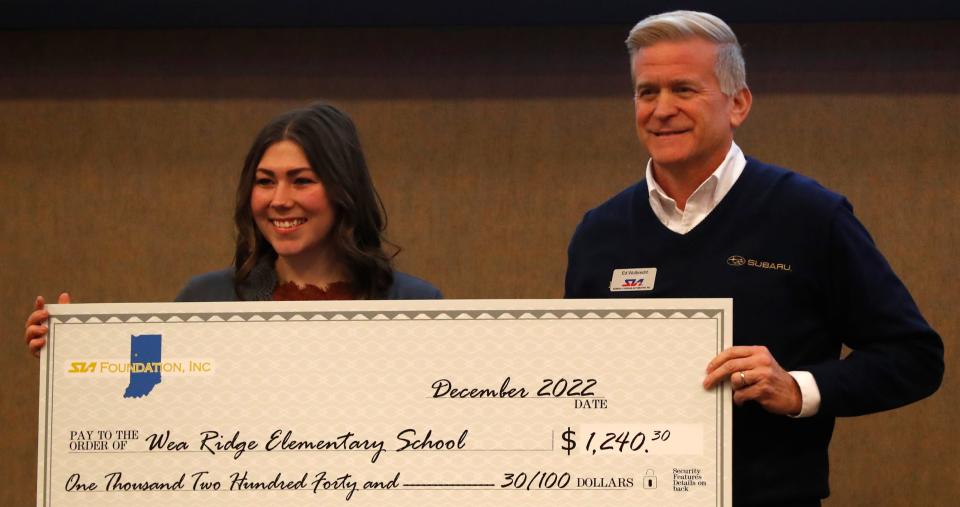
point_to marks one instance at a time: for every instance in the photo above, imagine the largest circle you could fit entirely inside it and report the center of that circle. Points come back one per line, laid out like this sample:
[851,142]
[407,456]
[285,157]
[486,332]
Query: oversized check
[409,403]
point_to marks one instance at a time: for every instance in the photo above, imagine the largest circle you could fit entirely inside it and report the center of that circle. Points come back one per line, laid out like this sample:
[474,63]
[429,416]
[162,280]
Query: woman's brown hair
[330,142]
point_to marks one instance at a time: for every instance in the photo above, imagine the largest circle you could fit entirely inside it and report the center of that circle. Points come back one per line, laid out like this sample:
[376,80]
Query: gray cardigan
[218,286]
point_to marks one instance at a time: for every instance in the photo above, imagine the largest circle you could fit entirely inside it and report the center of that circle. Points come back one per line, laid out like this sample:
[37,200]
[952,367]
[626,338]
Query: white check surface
[647,434]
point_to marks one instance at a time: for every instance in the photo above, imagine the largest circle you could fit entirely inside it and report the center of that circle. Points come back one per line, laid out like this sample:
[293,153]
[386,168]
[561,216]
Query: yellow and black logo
[82,367]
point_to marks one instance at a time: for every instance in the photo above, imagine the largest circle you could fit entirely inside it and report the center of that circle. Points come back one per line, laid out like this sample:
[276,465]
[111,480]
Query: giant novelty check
[407,403]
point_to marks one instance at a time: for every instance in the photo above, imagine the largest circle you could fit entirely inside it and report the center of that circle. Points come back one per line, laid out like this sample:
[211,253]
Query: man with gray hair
[804,274]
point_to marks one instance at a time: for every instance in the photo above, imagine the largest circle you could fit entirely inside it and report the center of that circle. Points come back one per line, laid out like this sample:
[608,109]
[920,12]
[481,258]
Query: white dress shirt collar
[703,200]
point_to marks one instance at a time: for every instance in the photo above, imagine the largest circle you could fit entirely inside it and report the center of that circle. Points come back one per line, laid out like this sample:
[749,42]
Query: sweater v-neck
[745,184]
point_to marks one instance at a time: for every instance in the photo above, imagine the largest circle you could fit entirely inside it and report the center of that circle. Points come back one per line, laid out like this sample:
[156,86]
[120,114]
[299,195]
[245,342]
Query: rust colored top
[290,291]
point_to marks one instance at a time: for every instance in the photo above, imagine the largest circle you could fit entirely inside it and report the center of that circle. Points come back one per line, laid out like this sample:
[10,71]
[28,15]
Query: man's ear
[742,100]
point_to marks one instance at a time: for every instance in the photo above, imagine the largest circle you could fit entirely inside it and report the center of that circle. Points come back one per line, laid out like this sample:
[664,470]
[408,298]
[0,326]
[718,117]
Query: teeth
[286,224]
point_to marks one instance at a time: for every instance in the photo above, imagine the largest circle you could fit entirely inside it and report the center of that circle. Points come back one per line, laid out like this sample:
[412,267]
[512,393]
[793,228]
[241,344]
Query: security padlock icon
[649,480]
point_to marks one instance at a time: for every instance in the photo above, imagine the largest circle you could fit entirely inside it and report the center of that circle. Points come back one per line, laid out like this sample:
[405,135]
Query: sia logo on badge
[632,279]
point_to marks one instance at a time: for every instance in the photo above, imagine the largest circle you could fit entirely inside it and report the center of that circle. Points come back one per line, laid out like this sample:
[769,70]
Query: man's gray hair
[682,25]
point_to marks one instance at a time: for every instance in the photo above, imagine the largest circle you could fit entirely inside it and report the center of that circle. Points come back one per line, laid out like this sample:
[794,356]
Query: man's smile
[667,133]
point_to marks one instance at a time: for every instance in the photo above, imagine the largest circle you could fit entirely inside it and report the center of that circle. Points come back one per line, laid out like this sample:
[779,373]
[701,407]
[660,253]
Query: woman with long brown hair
[309,223]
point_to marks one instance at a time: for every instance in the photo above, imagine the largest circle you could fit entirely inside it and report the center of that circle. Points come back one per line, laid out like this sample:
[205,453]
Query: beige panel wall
[119,153]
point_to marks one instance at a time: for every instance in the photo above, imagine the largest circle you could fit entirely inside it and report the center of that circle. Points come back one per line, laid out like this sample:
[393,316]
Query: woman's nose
[282,196]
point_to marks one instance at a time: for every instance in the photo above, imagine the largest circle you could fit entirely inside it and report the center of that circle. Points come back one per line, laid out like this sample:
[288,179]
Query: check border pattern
[391,315]
[260,316]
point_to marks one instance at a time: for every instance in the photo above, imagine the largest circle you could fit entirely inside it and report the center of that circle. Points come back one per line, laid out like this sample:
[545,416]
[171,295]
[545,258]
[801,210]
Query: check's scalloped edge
[381,315]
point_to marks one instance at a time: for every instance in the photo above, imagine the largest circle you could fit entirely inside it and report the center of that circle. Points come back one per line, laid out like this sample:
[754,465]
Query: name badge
[631,279]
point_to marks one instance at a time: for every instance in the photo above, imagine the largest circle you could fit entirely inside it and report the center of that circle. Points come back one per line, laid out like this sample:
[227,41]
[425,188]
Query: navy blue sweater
[824,284]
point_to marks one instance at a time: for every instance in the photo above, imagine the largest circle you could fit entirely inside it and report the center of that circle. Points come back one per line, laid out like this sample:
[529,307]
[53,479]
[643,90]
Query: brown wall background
[119,152]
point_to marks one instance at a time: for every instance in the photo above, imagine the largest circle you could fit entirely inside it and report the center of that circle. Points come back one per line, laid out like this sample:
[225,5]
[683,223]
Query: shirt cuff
[809,393]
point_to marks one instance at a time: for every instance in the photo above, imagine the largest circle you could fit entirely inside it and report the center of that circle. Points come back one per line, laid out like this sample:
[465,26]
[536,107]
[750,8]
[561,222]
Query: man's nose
[664,106]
